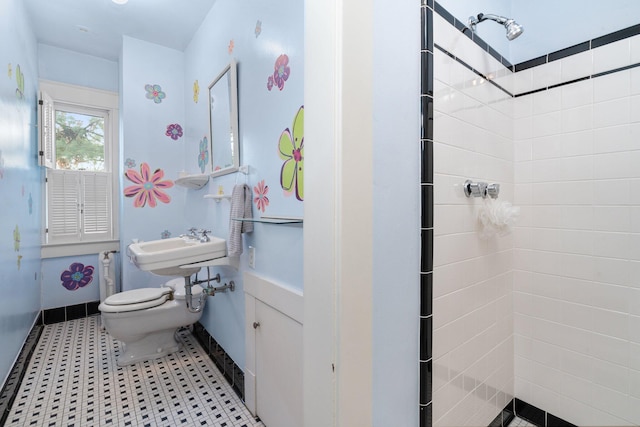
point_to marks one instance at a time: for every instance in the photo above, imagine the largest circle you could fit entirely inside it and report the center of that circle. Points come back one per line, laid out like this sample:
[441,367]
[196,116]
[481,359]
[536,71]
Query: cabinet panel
[278,344]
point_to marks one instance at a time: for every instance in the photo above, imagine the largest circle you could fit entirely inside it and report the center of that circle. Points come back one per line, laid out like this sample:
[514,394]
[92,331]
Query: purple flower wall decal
[77,276]
[174,131]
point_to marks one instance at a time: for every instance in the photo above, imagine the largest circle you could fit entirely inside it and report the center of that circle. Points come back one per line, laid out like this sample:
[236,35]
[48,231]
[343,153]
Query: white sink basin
[165,257]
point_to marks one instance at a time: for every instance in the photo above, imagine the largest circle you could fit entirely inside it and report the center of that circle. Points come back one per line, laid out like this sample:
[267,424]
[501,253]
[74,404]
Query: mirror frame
[233,105]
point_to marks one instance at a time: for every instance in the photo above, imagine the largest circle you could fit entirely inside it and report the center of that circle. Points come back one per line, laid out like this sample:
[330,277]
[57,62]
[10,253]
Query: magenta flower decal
[174,131]
[281,71]
[270,83]
[261,200]
[77,276]
[155,92]
[147,186]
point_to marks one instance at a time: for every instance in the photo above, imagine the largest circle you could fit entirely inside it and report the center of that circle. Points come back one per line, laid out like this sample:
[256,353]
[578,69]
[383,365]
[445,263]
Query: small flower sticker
[155,93]
[16,239]
[130,163]
[19,83]
[165,234]
[280,74]
[77,276]
[261,200]
[291,150]
[147,186]
[174,131]
[203,155]
[196,91]
[231,46]
[258,29]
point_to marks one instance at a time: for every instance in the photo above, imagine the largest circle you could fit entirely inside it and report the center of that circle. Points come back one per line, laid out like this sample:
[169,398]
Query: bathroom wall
[257,41]
[152,99]
[472,277]
[20,181]
[577,251]
[66,66]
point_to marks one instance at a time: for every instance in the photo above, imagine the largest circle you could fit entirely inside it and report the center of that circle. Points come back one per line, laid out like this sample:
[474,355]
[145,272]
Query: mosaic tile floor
[73,380]
[519,422]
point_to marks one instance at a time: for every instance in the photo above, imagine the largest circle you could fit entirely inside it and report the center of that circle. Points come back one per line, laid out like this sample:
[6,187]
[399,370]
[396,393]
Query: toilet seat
[136,299]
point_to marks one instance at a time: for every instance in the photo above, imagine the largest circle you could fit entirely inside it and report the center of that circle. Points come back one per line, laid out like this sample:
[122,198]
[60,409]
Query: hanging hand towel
[240,208]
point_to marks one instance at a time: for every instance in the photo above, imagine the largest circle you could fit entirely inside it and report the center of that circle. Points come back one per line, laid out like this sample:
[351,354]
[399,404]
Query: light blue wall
[263,116]
[66,66]
[54,294]
[20,180]
[144,124]
[396,217]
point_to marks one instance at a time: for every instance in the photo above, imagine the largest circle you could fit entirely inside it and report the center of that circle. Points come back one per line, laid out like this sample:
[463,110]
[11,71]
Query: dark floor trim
[70,312]
[528,412]
[11,386]
[223,361]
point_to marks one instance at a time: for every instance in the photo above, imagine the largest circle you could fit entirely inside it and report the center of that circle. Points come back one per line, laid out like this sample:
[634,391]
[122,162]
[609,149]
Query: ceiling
[96,27]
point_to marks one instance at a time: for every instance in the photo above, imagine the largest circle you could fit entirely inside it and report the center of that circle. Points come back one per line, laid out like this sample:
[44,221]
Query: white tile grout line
[73,380]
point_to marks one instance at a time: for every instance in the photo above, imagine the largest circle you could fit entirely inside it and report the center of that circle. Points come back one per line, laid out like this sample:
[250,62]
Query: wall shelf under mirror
[192,181]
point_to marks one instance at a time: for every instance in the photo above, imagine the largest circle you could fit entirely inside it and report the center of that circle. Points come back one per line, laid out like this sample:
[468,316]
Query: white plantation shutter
[63,206]
[47,135]
[96,205]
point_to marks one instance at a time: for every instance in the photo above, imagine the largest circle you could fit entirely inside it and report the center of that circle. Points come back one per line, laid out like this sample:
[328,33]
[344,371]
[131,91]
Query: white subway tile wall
[576,289]
[564,289]
[472,278]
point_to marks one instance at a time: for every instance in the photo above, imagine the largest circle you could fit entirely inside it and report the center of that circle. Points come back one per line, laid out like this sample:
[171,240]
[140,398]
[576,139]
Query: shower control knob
[255,325]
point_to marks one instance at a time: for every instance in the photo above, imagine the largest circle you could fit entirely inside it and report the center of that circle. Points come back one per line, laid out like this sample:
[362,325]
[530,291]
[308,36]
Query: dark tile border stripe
[425,365]
[70,312]
[232,372]
[11,386]
[470,68]
[528,412]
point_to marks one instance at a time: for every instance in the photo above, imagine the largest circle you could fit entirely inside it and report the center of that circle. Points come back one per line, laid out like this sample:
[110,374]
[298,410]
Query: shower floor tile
[519,422]
[73,380]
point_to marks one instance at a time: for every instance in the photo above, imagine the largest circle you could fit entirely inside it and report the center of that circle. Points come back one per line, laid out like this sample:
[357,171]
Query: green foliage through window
[79,141]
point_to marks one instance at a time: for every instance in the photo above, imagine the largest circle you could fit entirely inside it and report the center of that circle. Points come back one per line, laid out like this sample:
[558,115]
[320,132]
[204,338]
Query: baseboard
[12,384]
[223,361]
[530,413]
[70,312]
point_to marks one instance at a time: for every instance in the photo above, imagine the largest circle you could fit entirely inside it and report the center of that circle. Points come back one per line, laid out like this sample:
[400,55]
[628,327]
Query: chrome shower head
[513,28]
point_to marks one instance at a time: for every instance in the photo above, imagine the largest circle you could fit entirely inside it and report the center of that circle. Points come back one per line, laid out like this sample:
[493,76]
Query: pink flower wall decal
[147,187]
[174,131]
[261,200]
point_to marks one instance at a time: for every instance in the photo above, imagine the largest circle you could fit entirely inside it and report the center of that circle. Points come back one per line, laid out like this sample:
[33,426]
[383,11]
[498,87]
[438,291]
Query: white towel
[241,207]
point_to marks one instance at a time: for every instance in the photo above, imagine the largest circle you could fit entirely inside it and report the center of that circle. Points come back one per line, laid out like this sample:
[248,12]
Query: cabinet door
[278,368]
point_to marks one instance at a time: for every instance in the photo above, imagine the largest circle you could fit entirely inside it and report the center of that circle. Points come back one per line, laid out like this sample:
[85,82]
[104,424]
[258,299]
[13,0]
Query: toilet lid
[137,296]
[137,299]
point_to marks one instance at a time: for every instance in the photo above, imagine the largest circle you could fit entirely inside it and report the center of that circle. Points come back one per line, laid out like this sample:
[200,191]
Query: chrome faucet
[203,236]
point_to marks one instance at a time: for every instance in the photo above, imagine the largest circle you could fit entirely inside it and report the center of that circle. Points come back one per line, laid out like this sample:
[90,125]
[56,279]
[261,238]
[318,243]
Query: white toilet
[146,320]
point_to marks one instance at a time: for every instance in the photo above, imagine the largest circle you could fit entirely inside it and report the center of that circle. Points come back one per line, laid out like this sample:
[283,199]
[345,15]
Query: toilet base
[152,346]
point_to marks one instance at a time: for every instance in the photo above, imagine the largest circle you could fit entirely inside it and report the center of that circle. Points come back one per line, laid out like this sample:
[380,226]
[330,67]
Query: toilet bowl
[146,320]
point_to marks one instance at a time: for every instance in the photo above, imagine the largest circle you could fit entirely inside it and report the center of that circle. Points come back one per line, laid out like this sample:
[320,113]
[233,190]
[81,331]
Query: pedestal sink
[171,257]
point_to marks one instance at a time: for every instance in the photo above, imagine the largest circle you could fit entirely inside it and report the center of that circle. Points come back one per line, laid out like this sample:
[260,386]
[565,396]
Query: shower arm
[474,20]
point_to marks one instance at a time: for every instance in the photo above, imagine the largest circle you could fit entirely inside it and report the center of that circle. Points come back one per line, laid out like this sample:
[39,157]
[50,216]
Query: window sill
[59,250]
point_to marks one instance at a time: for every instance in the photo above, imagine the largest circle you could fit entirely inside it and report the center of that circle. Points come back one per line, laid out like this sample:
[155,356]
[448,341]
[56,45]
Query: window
[78,147]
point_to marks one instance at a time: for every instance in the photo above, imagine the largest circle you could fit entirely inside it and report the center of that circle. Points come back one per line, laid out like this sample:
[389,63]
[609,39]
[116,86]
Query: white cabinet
[273,371]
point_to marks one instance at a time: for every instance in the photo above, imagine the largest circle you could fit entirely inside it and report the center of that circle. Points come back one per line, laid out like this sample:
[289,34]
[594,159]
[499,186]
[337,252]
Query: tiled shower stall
[543,315]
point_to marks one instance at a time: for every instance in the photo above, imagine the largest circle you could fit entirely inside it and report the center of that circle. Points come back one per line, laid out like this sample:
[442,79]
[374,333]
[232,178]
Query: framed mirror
[223,122]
